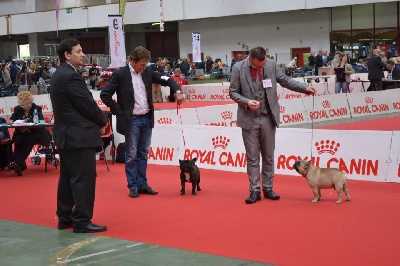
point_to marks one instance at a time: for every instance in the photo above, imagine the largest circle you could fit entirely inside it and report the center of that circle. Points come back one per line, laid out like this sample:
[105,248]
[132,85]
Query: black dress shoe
[18,169]
[133,193]
[147,191]
[64,225]
[89,228]
[269,194]
[254,197]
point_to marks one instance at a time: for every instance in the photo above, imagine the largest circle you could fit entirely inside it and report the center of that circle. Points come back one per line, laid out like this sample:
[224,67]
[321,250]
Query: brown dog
[319,178]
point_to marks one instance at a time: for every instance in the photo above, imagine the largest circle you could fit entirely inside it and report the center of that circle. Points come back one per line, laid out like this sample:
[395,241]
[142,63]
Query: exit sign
[69,10]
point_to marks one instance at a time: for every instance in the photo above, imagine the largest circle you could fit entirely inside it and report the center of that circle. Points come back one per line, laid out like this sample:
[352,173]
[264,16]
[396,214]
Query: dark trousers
[76,186]
[23,144]
[376,84]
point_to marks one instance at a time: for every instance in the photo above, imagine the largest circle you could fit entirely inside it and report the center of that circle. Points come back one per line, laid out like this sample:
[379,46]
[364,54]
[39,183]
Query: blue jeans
[341,86]
[137,142]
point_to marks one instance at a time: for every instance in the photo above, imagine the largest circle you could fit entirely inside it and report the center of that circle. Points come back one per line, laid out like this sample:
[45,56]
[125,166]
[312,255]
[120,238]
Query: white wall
[220,36]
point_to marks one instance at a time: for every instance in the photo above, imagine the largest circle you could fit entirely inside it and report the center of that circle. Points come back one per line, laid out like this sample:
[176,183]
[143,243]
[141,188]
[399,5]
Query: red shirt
[180,80]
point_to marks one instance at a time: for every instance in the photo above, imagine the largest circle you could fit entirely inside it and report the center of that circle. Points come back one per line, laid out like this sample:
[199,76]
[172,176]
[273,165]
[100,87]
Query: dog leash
[312,128]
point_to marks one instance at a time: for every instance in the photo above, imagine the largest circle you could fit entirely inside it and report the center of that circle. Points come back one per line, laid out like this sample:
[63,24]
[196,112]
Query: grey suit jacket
[242,90]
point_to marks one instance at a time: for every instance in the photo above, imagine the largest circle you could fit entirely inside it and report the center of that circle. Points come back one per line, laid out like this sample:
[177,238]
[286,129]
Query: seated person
[293,63]
[392,80]
[25,138]
[180,80]
[5,140]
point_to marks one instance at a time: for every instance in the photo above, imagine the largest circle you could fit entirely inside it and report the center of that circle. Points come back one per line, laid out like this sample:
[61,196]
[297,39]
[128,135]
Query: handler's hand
[179,96]
[311,90]
[103,130]
[253,104]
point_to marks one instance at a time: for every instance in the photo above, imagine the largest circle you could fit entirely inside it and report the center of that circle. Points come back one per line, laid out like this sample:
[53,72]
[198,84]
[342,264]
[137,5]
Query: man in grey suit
[77,124]
[253,87]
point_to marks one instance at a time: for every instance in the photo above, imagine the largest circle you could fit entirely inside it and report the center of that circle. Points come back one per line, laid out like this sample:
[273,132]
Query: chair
[50,151]
[108,138]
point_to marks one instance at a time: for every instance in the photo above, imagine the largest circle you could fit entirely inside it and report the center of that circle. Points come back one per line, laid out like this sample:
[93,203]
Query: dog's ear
[194,159]
[180,161]
[307,164]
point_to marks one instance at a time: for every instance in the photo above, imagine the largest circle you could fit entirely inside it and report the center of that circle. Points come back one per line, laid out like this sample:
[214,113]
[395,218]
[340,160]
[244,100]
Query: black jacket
[77,117]
[41,133]
[121,84]
[375,67]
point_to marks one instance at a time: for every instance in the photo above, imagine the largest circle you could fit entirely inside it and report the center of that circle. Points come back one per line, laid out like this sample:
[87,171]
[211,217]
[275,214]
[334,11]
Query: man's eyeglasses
[25,105]
[256,64]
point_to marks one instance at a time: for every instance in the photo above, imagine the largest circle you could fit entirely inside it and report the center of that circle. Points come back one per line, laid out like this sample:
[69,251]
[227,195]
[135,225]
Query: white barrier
[373,102]
[218,115]
[292,112]
[363,155]
[328,107]
[393,174]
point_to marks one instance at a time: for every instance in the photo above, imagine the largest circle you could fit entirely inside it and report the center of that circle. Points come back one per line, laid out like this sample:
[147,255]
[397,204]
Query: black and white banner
[196,47]
[117,41]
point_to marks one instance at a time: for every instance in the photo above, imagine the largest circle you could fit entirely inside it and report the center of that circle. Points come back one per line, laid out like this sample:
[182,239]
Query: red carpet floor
[291,231]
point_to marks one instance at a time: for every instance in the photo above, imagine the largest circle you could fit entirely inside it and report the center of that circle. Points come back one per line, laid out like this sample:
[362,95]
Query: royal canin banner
[393,174]
[218,115]
[292,112]
[117,41]
[371,103]
[4,110]
[363,155]
[224,150]
[321,108]
[163,150]
[185,116]
[207,93]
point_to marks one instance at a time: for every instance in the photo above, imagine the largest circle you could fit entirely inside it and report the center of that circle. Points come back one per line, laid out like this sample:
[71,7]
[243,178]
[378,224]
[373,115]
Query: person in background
[375,70]
[185,67]
[32,72]
[293,63]
[78,121]
[311,61]
[209,64]
[134,112]
[94,73]
[253,88]
[343,70]
[393,76]
[179,80]
[159,67]
[24,76]
[319,62]
[25,138]
[14,68]
[6,76]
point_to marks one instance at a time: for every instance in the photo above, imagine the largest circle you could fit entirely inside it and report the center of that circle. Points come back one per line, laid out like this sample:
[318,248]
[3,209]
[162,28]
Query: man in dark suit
[135,114]
[77,124]
[319,61]
[393,78]
[253,87]
[375,70]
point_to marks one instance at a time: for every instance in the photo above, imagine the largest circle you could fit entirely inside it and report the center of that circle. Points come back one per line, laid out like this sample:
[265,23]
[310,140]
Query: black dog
[189,173]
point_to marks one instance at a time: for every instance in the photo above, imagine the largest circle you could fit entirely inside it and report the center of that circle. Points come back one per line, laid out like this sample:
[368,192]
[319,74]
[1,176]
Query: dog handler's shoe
[148,191]
[254,197]
[133,193]
[270,194]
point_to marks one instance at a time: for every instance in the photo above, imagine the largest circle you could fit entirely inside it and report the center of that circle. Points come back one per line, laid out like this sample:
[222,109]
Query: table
[29,125]
[48,150]
[317,79]
[362,81]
